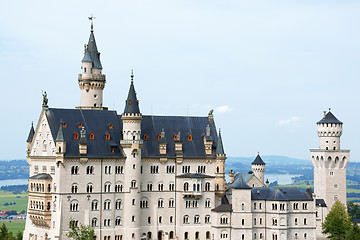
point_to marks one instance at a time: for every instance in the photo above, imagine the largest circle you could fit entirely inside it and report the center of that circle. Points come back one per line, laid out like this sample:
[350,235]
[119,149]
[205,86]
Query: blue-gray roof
[91,52]
[98,122]
[31,134]
[194,175]
[41,176]
[220,147]
[258,161]
[131,103]
[60,134]
[329,118]
[239,183]
[279,194]
[194,126]
[95,121]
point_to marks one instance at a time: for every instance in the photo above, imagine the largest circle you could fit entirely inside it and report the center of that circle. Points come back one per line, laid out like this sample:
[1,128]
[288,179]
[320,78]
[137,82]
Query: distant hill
[14,169]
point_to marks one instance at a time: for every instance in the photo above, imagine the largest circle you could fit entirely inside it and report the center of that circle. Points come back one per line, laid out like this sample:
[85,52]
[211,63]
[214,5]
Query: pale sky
[267,68]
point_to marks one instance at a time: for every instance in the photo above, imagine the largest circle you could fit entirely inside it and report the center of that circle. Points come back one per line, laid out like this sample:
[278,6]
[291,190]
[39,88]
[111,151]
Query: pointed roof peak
[219,146]
[258,160]
[60,135]
[132,104]
[329,118]
[31,133]
[91,52]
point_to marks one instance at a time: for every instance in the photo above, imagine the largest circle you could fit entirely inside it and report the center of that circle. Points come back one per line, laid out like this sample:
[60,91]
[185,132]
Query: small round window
[95,96]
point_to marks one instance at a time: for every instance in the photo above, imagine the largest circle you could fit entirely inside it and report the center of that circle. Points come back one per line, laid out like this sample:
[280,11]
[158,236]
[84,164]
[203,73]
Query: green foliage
[6,235]
[337,222]
[83,232]
[353,232]
[353,210]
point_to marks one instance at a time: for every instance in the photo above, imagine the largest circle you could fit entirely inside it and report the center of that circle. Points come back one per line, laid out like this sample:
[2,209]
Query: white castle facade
[134,176]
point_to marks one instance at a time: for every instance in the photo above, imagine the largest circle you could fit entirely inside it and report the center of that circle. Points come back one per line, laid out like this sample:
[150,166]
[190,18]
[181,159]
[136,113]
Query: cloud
[288,121]
[223,109]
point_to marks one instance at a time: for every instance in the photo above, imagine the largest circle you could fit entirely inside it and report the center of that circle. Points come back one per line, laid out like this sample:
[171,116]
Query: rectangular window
[36,169]
[52,170]
[44,169]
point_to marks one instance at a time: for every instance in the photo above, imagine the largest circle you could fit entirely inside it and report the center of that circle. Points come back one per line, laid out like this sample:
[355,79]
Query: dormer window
[189,138]
[80,125]
[107,136]
[175,137]
[92,136]
[145,137]
[159,136]
[76,136]
[64,125]
[111,126]
[130,102]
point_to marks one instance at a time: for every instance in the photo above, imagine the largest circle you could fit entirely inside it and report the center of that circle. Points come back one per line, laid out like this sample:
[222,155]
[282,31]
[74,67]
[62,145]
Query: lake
[282,179]
[10,182]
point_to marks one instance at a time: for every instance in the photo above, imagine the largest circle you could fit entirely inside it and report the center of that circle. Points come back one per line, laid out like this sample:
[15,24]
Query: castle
[134,176]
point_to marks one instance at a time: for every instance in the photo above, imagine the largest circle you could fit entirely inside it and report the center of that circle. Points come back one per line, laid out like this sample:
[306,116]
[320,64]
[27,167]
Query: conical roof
[329,118]
[60,135]
[91,53]
[258,161]
[31,134]
[219,146]
[132,104]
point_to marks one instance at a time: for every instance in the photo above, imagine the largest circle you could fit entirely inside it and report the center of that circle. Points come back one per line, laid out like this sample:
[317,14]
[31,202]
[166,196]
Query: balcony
[192,194]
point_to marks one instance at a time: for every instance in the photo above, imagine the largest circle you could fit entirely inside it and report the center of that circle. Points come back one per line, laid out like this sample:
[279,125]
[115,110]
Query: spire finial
[329,109]
[45,99]
[91,18]
[32,123]
[132,75]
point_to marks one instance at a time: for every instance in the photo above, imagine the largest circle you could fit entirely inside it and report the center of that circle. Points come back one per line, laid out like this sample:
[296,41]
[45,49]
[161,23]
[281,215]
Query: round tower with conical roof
[131,144]
[258,168]
[91,80]
[330,161]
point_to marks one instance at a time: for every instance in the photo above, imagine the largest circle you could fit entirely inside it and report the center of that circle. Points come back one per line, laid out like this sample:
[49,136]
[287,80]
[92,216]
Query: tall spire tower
[91,80]
[330,161]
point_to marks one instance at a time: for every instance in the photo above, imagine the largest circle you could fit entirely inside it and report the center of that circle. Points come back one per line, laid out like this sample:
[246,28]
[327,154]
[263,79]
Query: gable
[43,143]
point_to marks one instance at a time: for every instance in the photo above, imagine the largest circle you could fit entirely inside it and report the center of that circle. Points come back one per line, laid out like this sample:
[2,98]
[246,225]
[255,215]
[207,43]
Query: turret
[330,164]
[329,130]
[220,167]
[131,144]
[30,138]
[91,80]
[258,168]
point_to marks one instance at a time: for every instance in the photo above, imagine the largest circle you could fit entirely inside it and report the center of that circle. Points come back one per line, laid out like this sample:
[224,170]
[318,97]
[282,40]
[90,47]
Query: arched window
[107,187]
[208,203]
[207,235]
[118,221]
[76,136]
[197,235]
[160,203]
[186,187]
[197,219]
[94,222]
[186,219]
[171,203]
[107,204]
[74,188]
[118,204]
[89,188]
[207,186]
[74,206]
[207,219]
[94,205]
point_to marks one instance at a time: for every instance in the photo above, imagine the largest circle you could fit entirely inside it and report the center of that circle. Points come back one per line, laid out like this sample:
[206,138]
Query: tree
[83,232]
[337,222]
[4,232]
[353,232]
[353,210]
